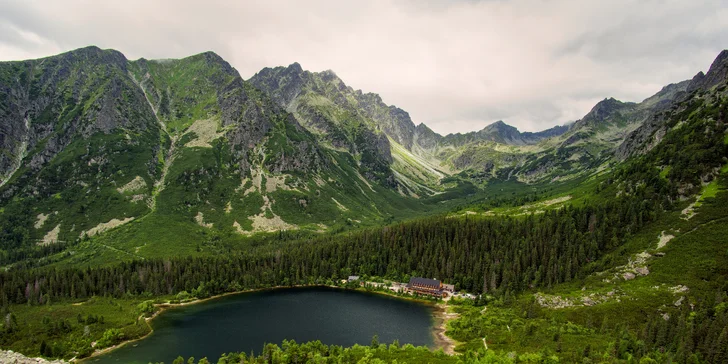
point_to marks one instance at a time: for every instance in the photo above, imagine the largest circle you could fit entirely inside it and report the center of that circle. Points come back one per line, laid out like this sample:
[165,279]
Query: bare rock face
[717,74]
[10,357]
[425,138]
[650,133]
[248,116]
[76,126]
[351,120]
[45,104]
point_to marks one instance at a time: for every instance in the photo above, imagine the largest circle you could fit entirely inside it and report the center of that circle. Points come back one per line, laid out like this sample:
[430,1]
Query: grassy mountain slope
[631,267]
[661,294]
[145,158]
[81,132]
[420,158]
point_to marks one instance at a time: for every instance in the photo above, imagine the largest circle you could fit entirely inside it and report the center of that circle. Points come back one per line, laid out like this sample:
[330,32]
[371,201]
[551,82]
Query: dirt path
[121,251]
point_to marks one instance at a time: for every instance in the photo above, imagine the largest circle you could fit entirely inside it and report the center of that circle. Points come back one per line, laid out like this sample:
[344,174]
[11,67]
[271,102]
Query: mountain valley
[128,185]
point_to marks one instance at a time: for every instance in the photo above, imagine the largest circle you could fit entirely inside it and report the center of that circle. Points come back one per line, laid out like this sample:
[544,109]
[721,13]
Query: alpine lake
[245,322]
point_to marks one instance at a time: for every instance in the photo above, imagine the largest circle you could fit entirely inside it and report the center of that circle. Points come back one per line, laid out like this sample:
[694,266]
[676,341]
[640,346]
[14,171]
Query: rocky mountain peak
[717,74]
[212,59]
[499,125]
[94,56]
[603,109]
[501,132]
[665,97]
[329,75]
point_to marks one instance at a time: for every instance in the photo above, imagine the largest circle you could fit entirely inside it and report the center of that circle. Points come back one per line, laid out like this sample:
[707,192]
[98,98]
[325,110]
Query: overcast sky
[454,65]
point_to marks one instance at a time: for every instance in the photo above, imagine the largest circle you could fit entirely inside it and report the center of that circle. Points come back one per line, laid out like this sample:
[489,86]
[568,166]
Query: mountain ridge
[93,142]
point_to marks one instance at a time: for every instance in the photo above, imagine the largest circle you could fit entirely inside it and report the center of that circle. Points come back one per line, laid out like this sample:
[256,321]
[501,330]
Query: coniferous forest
[133,187]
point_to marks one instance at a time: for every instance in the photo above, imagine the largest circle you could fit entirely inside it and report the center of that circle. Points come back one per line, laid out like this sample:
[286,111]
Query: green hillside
[127,183]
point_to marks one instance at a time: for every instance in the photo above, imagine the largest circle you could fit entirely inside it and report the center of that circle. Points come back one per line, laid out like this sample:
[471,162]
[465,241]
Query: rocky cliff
[703,89]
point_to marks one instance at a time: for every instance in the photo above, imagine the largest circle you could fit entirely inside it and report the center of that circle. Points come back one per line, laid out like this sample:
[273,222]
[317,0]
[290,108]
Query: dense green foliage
[478,254]
[501,256]
[576,253]
[316,352]
[62,329]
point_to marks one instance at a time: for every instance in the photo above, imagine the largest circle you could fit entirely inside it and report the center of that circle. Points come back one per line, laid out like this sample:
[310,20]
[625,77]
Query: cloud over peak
[456,66]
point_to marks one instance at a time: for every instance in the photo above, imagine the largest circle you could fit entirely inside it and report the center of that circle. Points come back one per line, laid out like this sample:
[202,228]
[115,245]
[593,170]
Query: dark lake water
[245,322]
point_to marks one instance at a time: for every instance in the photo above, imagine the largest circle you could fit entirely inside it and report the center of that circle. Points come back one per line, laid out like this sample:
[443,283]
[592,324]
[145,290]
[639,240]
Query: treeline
[694,334]
[316,352]
[498,255]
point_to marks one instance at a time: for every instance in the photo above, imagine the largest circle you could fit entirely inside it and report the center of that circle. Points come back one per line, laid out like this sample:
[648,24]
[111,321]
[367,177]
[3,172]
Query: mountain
[158,157]
[156,150]
[687,96]
[420,159]
[380,136]
[502,133]
[128,184]
[561,153]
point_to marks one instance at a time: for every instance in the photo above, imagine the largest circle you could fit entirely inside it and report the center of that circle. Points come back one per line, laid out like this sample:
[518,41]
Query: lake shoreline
[109,349]
[442,318]
[441,341]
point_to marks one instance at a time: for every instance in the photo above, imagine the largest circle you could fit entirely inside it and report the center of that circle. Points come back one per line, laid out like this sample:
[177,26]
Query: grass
[665,171]
[38,324]
[696,258]
[710,190]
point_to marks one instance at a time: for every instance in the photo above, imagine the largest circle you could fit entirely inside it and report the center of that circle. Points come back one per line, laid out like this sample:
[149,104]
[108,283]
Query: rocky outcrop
[347,119]
[48,103]
[502,133]
[425,138]
[10,357]
[393,121]
[717,74]
[665,97]
[606,110]
[671,100]
[643,138]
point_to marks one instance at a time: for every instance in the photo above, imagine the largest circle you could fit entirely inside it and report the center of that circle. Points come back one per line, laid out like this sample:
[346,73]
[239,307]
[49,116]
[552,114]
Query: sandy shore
[442,318]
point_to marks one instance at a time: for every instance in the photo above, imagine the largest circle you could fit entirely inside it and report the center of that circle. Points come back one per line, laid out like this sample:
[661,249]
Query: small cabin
[353,278]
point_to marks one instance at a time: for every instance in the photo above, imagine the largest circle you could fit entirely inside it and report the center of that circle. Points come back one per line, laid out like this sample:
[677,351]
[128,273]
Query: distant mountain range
[91,141]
